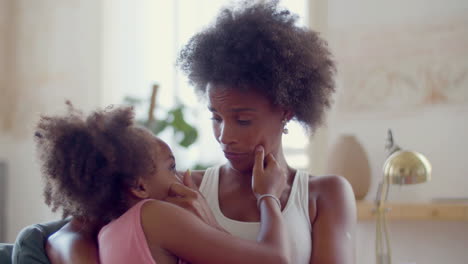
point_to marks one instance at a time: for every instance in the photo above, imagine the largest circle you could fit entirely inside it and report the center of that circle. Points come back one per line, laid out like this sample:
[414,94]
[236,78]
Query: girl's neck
[132,200]
[85,226]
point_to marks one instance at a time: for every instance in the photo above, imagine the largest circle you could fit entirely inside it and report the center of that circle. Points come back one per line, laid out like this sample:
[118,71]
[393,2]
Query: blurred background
[401,65]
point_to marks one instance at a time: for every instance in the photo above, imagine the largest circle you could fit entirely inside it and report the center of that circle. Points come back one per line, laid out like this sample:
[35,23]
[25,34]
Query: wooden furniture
[415,211]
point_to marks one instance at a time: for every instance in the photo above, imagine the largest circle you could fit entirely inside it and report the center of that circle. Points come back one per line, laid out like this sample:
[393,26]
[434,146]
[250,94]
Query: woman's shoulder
[72,245]
[197,177]
[329,189]
[330,194]
[328,185]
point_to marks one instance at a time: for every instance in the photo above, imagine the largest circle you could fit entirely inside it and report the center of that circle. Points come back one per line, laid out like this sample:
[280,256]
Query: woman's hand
[188,197]
[267,176]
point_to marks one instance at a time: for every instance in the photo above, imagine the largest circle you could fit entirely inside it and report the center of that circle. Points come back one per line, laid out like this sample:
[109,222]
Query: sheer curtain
[141,42]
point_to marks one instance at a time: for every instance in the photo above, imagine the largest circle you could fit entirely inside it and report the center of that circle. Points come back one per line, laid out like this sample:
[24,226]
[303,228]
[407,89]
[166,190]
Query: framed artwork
[398,55]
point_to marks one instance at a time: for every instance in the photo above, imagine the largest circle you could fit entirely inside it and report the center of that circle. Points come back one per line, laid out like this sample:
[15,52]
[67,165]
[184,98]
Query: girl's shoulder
[154,207]
[160,219]
[160,213]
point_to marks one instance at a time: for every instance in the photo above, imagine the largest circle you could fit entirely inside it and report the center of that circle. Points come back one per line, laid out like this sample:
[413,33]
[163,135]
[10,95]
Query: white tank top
[295,213]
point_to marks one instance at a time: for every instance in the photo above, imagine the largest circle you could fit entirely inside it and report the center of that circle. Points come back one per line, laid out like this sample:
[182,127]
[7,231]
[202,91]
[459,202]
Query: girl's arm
[190,198]
[185,235]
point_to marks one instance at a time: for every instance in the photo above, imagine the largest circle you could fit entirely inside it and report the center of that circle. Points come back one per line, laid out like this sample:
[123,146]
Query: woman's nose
[226,135]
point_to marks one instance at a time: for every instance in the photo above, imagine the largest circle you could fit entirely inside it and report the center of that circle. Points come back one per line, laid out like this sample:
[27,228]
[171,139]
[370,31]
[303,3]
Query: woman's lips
[234,155]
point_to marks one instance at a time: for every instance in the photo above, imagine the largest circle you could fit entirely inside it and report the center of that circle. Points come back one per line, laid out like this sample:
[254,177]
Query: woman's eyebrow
[212,109]
[245,109]
[236,110]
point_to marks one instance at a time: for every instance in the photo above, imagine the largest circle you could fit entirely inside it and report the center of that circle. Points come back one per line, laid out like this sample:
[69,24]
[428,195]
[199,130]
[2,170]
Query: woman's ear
[288,115]
[139,189]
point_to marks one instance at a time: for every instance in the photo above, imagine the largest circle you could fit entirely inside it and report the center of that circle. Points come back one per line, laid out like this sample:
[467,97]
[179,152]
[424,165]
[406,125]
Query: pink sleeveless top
[123,240]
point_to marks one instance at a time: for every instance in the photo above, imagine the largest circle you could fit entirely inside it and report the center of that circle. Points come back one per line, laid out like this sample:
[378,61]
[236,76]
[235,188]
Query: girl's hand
[267,176]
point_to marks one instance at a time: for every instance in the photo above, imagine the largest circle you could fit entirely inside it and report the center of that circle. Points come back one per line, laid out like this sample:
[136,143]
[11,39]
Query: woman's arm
[333,220]
[185,235]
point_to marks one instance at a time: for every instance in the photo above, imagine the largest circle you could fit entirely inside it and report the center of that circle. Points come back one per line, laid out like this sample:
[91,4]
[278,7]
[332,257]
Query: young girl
[106,170]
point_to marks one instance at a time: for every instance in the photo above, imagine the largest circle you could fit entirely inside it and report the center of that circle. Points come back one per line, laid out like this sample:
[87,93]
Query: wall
[404,65]
[52,48]
[5,20]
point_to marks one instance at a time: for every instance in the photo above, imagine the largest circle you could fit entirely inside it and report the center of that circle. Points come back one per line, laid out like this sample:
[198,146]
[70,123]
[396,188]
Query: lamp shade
[407,167]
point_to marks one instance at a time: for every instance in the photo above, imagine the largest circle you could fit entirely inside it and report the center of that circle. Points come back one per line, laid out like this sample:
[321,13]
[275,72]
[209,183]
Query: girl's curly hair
[260,47]
[90,163]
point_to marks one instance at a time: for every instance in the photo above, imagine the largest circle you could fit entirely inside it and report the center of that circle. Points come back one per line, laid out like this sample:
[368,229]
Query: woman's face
[243,120]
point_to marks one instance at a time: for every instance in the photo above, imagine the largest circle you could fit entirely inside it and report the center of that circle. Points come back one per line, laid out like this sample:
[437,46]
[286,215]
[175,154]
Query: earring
[285,129]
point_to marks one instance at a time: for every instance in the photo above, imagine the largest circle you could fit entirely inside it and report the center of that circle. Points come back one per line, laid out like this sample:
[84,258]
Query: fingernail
[259,148]
[188,172]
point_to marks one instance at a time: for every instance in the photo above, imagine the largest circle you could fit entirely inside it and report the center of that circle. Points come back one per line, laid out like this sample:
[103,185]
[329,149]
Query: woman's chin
[242,167]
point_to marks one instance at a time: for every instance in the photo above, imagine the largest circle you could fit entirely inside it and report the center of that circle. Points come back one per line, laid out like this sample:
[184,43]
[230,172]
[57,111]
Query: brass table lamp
[401,167]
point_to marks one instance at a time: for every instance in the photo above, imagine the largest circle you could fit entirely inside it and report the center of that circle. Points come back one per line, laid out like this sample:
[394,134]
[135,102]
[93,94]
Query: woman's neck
[244,178]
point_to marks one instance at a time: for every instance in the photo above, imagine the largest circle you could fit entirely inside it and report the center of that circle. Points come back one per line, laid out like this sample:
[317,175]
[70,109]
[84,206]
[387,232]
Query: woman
[259,71]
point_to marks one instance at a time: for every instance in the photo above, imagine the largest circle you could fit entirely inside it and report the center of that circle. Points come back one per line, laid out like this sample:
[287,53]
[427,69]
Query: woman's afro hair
[89,164]
[259,47]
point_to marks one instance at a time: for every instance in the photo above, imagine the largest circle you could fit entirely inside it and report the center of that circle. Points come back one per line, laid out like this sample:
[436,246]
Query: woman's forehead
[222,96]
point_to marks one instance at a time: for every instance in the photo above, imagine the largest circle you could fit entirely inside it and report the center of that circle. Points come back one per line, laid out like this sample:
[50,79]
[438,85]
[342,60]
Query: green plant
[185,133]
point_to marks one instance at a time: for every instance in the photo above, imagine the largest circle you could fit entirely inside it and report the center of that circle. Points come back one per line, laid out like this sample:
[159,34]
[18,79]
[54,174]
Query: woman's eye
[244,122]
[173,167]
[216,119]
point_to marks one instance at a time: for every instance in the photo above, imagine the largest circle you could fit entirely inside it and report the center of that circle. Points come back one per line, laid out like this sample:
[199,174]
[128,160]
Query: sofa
[5,253]
[29,245]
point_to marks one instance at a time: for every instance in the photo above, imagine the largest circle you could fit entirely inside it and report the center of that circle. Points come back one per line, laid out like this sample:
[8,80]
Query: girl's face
[242,121]
[157,185]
